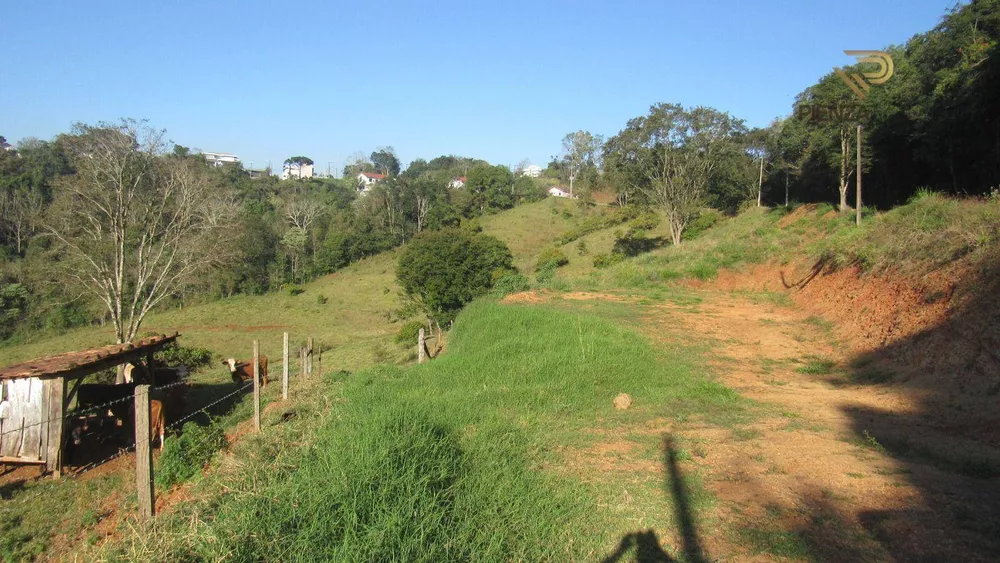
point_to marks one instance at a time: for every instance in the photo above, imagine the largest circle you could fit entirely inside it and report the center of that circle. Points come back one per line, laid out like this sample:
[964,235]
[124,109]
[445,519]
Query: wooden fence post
[302,361]
[310,355]
[143,454]
[420,347]
[256,385]
[284,370]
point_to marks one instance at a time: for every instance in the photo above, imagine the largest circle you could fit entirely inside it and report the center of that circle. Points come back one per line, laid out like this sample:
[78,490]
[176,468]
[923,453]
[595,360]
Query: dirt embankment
[936,335]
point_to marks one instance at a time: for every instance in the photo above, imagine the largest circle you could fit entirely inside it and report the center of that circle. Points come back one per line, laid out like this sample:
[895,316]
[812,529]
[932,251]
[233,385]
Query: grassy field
[456,459]
[461,457]
[355,323]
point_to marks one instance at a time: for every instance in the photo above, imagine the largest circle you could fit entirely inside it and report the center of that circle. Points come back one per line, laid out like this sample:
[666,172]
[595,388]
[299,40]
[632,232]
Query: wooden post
[284,369]
[309,356]
[256,385]
[56,410]
[319,362]
[858,205]
[420,346]
[143,454]
[302,361]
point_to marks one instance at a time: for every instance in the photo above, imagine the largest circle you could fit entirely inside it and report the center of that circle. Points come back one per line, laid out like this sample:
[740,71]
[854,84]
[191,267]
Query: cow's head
[231,362]
[77,435]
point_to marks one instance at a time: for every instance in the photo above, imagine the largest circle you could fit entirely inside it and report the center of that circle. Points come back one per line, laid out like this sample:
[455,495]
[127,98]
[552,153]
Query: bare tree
[19,213]
[423,206]
[302,211]
[678,181]
[135,228]
[580,149]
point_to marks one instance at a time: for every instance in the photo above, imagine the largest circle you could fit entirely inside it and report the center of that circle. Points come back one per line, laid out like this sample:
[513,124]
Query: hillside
[792,398]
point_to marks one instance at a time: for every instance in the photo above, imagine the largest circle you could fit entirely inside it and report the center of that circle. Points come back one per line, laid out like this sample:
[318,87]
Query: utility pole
[858,205]
[760,181]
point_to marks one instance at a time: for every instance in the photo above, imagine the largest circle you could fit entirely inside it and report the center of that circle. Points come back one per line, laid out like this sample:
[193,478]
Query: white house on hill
[220,158]
[532,171]
[293,170]
[457,183]
[368,179]
[560,192]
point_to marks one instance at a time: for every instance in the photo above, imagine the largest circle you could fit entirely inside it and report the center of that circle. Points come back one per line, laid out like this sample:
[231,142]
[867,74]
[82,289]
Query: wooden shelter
[35,396]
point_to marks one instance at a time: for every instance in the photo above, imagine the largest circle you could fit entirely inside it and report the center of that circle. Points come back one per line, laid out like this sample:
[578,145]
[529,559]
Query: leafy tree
[385,162]
[296,163]
[444,270]
[671,155]
[491,187]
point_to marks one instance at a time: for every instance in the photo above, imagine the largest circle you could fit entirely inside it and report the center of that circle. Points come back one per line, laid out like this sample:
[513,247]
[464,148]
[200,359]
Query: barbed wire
[208,406]
[127,449]
[77,413]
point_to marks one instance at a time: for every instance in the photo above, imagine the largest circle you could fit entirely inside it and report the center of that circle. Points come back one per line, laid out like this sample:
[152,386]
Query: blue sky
[502,81]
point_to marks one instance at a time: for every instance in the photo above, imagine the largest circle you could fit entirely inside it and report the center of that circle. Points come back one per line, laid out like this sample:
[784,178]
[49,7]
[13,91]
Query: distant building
[4,145]
[532,171]
[257,172]
[220,158]
[368,179]
[560,192]
[292,170]
[457,183]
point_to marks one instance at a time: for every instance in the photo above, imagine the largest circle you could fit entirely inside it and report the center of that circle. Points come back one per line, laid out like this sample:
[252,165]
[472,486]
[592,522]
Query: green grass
[445,460]
[359,314]
[815,365]
[774,541]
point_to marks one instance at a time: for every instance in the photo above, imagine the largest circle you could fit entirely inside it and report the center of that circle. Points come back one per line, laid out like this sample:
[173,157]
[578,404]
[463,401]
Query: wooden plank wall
[23,433]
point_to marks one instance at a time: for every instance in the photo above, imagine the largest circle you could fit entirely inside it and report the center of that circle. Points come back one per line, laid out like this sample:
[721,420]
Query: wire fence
[138,418]
[76,413]
[128,449]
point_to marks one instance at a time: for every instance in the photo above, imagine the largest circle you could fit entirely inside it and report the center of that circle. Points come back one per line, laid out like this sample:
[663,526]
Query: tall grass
[442,461]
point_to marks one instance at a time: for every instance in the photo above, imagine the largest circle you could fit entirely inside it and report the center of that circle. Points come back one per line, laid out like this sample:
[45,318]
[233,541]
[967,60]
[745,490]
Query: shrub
[408,332]
[321,299]
[177,355]
[581,248]
[449,268]
[646,222]
[187,453]
[634,243]
[705,220]
[294,289]
[546,274]
[606,260]
[511,283]
[551,258]
[599,222]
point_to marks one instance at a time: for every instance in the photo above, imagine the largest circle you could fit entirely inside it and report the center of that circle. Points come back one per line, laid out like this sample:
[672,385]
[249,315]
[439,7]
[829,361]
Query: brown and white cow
[243,370]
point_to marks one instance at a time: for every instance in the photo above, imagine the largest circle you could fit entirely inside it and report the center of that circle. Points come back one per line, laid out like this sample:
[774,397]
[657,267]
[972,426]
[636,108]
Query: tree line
[109,221]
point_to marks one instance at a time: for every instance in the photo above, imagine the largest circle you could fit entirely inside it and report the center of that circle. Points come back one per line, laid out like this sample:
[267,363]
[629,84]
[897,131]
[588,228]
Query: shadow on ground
[643,546]
[948,446]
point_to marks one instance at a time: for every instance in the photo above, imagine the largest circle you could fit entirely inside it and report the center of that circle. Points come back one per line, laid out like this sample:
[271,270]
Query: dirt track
[808,467]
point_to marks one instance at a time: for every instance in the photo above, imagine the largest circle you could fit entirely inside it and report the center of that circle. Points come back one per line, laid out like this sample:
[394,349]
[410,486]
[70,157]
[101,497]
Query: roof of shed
[85,362]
